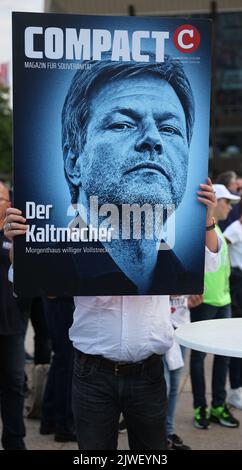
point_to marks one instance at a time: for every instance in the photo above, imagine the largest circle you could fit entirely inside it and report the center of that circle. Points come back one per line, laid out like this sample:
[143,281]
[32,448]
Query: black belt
[118,368]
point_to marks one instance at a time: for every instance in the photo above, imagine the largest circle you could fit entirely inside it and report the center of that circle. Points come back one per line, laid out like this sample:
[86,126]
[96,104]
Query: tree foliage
[5,133]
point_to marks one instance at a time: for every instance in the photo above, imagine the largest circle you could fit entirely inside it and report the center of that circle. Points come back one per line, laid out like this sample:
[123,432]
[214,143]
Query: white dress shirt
[233,233]
[126,328]
[122,328]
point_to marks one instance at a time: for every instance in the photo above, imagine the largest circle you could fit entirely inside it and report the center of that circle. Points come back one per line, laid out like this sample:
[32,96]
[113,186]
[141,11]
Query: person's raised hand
[14,223]
[207,196]
[194,300]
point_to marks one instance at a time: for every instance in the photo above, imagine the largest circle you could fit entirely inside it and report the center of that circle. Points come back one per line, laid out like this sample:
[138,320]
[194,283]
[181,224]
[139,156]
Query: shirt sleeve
[10,273]
[231,234]
[174,357]
[213,260]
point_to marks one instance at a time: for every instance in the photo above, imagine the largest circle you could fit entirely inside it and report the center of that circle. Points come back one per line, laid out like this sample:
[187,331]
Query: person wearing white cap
[216,304]
[233,236]
[223,193]
[230,180]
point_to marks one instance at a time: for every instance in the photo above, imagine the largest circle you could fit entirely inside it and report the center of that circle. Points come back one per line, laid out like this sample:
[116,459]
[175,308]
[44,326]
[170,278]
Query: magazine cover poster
[111,133]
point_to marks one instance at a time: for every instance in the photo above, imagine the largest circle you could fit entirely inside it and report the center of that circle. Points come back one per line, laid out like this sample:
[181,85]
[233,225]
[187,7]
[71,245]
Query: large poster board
[111,129]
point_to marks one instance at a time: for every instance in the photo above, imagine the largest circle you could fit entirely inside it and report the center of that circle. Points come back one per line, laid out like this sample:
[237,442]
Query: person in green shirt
[216,304]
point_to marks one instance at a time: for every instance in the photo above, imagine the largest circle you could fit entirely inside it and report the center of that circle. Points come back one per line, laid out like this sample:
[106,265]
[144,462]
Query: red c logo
[186,38]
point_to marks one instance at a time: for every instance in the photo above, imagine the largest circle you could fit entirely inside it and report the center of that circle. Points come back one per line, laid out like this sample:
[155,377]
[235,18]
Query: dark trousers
[220,363]
[236,292]
[42,348]
[34,309]
[12,358]
[99,397]
[235,372]
[235,365]
[56,406]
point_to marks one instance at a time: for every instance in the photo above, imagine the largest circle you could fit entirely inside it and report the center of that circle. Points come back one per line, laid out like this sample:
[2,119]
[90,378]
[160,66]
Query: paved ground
[216,438]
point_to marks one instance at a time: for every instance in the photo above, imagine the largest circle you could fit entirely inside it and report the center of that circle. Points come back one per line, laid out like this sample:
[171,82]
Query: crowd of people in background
[53,356]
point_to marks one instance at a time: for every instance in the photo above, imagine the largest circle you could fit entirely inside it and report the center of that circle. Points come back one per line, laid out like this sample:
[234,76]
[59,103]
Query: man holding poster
[127,124]
[119,343]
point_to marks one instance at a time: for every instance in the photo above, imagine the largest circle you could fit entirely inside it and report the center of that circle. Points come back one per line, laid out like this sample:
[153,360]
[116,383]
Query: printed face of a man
[136,148]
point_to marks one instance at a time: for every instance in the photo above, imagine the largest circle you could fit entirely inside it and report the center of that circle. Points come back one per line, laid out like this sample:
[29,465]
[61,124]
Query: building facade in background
[226,110]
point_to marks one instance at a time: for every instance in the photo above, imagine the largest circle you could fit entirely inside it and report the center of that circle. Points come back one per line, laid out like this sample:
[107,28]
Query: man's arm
[207,196]
[14,223]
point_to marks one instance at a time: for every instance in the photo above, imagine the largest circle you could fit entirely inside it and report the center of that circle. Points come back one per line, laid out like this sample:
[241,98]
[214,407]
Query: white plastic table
[222,337]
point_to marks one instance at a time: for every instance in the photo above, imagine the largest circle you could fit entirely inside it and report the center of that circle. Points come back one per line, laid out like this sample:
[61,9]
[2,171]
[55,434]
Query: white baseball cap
[222,192]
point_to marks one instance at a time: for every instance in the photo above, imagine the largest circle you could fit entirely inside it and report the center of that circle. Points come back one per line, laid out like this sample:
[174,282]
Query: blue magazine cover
[111,134]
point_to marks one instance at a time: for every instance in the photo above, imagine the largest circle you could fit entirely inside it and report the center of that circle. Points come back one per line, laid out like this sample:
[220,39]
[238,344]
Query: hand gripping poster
[111,131]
